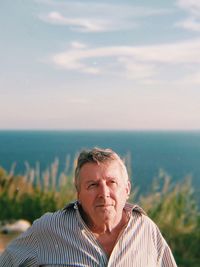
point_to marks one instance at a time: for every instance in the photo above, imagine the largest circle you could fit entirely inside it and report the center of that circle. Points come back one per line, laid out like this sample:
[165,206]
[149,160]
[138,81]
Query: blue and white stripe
[62,239]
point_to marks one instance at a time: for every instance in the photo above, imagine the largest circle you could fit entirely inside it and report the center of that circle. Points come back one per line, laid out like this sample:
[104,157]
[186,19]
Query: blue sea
[147,152]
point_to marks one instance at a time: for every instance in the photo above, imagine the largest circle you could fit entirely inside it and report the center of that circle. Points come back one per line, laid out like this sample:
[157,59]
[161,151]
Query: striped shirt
[62,239]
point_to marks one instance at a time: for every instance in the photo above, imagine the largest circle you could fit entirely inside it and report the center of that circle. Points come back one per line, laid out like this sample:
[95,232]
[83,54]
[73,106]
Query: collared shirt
[62,239]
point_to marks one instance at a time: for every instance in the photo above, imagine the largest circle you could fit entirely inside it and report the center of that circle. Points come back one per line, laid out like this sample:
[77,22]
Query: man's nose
[104,190]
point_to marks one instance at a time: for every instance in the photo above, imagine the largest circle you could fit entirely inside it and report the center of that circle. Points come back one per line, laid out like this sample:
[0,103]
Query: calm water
[178,153]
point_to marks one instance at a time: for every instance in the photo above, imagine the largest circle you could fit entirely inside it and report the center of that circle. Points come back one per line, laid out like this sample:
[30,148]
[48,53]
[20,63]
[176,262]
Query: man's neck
[110,227]
[109,236]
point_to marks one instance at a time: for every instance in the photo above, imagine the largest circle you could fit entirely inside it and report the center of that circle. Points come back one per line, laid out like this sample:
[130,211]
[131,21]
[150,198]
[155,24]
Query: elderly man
[99,229]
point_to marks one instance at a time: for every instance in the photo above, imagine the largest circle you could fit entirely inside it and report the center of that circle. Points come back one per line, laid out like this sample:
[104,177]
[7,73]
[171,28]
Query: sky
[100,65]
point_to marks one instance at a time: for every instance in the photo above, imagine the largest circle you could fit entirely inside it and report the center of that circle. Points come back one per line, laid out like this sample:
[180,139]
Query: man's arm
[165,256]
[167,259]
[21,251]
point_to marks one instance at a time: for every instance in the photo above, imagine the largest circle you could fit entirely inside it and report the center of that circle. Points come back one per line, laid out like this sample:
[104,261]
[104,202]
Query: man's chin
[105,209]
[105,213]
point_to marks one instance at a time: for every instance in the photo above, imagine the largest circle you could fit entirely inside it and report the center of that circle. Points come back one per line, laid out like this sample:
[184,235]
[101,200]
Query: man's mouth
[103,205]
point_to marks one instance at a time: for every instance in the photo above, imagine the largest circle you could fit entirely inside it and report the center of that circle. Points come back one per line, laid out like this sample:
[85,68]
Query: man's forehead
[100,165]
[111,166]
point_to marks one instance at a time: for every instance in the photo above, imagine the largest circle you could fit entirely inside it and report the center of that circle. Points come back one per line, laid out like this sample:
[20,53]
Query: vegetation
[30,195]
[172,207]
[175,211]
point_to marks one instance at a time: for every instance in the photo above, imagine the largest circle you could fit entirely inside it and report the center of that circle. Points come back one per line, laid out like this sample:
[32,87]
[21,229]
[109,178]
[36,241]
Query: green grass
[175,211]
[30,195]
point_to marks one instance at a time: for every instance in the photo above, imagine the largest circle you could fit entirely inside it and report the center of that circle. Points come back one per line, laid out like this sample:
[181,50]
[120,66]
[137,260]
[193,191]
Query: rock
[17,227]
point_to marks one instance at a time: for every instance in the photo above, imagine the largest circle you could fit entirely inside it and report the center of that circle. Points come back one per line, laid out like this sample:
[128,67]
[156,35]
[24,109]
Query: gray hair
[98,155]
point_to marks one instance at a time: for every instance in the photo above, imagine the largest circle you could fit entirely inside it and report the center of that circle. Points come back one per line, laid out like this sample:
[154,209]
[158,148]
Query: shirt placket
[86,231]
[111,261]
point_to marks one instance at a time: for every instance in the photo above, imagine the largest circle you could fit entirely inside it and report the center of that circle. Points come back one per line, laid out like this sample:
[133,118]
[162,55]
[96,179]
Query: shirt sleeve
[21,252]
[165,256]
[167,259]
[162,250]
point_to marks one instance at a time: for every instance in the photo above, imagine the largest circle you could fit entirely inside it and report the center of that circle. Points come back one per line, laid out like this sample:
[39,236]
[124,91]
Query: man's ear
[128,188]
[77,195]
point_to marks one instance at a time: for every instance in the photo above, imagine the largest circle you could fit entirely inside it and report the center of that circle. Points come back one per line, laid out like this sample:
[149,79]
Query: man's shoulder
[134,209]
[137,209]
[138,212]
[52,217]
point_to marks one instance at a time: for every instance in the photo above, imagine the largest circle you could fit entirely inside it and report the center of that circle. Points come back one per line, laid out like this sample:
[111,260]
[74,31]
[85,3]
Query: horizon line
[103,130]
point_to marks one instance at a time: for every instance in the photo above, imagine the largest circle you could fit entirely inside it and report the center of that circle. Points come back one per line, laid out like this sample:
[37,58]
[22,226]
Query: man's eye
[90,186]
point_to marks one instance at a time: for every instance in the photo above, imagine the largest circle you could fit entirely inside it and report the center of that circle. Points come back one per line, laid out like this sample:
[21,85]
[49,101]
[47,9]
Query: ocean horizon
[147,152]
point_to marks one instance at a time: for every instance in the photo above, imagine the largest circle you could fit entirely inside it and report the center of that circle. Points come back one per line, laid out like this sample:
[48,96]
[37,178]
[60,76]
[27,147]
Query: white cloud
[189,24]
[71,60]
[136,70]
[192,7]
[78,45]
[192,78]
[136,62]
[90,16]
[80,24]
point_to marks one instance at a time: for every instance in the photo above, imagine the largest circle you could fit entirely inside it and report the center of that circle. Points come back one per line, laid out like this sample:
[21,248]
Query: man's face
[103,192]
